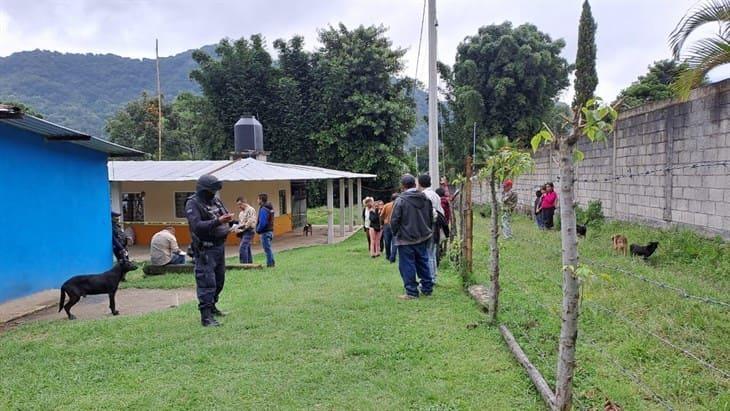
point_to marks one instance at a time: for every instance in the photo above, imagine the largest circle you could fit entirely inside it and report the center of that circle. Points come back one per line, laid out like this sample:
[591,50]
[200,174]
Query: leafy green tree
[504,79]
[364,112]
[653,86]
[501,160]
[24,108]
[586,78]
[707,53]
[198,128]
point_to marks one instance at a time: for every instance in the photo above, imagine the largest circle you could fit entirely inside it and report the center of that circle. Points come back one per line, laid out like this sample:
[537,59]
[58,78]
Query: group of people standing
[410,227]
[546,200]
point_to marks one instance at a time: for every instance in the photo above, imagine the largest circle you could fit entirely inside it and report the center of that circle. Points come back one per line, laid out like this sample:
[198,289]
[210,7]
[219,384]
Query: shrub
[592,215]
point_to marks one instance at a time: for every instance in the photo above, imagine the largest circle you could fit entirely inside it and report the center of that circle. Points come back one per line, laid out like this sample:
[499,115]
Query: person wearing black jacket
[375,230]
[208,221]
[412,226]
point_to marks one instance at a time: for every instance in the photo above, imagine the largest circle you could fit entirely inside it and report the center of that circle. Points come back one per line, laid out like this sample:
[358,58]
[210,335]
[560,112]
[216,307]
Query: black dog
[104,283]
[581,230]
[644,251]
[307,230]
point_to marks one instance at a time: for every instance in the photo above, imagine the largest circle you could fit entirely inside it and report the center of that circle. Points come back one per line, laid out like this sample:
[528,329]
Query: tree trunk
[494,246]
[571,283]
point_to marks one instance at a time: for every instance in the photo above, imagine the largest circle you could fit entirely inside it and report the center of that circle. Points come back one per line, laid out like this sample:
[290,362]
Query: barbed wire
[626,372]
[725,163]
[680,291]
[665,341]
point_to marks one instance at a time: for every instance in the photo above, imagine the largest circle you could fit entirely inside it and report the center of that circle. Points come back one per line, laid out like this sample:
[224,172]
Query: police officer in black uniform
[209,221]
[119,239]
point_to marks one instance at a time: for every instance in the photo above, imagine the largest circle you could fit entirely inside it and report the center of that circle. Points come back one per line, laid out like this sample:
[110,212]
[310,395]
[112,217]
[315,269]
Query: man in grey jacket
[411,223]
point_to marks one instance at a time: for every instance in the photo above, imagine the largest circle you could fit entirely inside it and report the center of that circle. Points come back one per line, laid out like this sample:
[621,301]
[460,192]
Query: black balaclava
[207,186]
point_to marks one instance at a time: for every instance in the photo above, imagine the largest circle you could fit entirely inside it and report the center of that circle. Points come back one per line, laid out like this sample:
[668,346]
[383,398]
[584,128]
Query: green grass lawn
[318,215]
[611,353]
[324,330]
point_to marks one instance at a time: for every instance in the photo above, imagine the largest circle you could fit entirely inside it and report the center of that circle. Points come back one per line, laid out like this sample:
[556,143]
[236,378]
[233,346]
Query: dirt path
[129,302]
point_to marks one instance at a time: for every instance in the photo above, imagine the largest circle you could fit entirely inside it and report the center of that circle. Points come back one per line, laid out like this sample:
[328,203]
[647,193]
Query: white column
[116,196]
[351,191]
[433,141]
[330,213]
[358,200]
[342,207]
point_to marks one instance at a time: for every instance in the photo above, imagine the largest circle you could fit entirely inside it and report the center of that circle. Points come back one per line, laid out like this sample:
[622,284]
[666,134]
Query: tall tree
[707,53]
[655,85]
[586,78]
[365,111]
[504,79]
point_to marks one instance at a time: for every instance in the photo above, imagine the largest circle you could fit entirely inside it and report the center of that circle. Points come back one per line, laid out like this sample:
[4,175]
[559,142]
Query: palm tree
[707,53]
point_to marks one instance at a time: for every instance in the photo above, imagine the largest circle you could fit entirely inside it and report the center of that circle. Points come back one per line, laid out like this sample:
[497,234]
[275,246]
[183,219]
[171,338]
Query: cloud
[631,34]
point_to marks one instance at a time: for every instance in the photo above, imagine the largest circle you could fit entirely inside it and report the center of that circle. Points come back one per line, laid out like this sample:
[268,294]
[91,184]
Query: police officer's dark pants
[210,275]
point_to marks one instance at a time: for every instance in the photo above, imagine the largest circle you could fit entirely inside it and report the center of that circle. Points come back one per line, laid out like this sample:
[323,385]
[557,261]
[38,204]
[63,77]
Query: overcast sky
[631,33]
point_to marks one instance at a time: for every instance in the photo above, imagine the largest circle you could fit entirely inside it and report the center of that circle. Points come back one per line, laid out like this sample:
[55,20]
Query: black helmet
[208,182]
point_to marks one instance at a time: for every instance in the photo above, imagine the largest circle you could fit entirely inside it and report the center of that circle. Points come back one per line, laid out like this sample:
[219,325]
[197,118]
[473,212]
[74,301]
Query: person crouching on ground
[245,230]
[265,227]
[509,203]
[390,249]
[412,222]
[164,249]
[375,230]
[209,221]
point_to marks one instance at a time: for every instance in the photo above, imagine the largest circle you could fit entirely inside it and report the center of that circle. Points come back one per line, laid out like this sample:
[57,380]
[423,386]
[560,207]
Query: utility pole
[159,104]
[433,142]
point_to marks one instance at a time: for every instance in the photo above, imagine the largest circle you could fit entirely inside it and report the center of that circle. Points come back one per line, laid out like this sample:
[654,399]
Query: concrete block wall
[667,134]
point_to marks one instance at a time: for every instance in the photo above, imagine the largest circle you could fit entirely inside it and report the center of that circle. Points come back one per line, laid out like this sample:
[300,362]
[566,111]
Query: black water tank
[248,134]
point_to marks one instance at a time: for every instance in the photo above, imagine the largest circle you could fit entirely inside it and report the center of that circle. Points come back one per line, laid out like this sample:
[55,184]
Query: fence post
[468,218]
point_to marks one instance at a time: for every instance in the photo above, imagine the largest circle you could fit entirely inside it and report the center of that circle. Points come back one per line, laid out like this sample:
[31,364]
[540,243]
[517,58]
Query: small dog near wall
[104,283]
[307,230]
[620,244]
[644,251]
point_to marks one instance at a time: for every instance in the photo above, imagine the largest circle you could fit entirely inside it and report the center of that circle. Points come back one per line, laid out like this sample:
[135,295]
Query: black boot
[207,319]
[216,312]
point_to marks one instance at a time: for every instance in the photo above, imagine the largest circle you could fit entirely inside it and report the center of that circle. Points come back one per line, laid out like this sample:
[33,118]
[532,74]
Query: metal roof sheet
[248,169]
[67,135]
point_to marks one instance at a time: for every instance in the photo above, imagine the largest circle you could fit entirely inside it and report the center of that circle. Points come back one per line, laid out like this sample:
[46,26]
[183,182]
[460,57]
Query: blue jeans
[389,244]
[413,265]
[244,250]
[266,239]
[177,259]
[432,249]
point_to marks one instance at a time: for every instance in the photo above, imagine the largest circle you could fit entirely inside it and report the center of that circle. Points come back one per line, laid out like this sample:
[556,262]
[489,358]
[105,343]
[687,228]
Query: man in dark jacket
[265,227]
[208,221]
[411,223]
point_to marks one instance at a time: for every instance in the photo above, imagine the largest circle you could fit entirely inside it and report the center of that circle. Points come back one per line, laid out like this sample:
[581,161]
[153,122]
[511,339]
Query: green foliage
[340,106]
[501,160]
[706,53]
[596,123]
[83,91]
[586,78]
[653,86]
[505,79]
[24,108]
[592,215]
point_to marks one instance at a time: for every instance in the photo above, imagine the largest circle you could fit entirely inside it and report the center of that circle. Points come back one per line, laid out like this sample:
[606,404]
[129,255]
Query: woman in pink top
[549,199]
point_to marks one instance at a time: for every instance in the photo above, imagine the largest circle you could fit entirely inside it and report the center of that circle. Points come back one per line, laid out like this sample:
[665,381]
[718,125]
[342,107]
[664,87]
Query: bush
[590,216]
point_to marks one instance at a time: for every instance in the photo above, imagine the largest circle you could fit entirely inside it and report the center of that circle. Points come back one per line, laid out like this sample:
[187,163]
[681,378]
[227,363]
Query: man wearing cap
[509,203]
[119,239]
[208,221]
[411,223]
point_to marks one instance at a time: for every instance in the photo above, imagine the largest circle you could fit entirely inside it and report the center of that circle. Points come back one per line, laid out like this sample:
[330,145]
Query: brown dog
[620,243]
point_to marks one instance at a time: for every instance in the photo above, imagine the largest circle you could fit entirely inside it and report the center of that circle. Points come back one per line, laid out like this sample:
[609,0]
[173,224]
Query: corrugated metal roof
[248,169]
[67,135]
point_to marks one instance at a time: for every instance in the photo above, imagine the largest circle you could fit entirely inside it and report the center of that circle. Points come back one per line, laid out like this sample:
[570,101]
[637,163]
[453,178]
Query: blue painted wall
[54,212]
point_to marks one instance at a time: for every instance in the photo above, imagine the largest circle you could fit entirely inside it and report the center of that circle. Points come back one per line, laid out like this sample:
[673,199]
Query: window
[181,197]
[133,206]
[282,202]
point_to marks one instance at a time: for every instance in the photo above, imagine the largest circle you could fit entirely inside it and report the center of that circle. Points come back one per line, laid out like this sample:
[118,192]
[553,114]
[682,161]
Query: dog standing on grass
[620,244]
[104,283]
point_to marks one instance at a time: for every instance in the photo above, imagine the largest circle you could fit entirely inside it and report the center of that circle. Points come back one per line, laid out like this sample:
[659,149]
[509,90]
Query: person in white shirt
[245,230]
[424,185]
[164,249]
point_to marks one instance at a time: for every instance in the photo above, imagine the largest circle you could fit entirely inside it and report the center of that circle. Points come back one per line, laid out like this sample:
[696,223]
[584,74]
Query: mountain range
[82,91]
